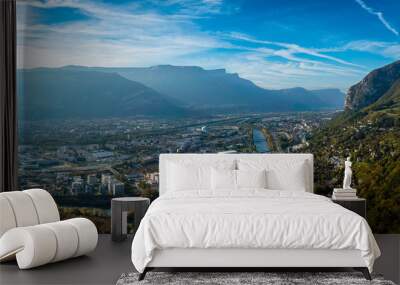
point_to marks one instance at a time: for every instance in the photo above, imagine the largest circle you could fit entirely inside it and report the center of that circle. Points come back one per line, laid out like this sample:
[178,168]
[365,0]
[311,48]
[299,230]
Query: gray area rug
[228,278]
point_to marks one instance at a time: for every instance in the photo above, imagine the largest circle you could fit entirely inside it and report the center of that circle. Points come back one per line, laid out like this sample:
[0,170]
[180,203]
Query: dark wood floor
[389,262]
[110,260]
[103,266]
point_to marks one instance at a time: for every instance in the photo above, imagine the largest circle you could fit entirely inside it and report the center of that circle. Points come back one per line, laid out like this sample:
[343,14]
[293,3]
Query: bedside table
[119,215]
[357,205]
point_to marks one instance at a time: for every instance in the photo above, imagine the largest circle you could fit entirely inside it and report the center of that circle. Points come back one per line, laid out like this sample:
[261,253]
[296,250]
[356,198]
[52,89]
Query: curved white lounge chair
[31,230]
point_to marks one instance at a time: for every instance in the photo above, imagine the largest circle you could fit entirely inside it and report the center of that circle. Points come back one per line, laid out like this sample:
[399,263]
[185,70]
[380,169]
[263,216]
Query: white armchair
[31,230]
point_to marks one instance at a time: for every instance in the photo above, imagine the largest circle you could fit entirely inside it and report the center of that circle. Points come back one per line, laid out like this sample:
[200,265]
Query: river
[260,141]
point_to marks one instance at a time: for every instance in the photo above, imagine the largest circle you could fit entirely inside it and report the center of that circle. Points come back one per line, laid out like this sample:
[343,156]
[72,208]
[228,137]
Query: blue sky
[276,44]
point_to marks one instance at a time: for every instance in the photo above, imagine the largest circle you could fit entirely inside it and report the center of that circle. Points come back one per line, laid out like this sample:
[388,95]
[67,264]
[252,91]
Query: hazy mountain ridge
[199,88]
[59,94]
[161,91]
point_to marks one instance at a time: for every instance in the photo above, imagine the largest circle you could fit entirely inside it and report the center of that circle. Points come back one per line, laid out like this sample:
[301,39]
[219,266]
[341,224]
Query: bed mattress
[250,219]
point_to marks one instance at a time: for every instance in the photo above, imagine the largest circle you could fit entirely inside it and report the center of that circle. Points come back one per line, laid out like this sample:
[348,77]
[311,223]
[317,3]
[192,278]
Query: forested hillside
[371,136]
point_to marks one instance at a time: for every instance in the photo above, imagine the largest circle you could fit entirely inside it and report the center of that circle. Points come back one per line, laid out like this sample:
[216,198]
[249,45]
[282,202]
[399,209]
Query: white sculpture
[347,174]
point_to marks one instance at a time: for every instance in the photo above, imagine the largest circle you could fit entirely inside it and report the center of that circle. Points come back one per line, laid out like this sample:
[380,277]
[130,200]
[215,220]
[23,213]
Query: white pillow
[182,177]
[223,179]
[191,175]
[281,175]
[290,176]
[251,178]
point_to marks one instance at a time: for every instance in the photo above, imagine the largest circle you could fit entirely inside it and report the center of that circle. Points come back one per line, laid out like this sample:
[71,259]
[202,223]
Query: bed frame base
[363,270]
[241,259]
[143,274]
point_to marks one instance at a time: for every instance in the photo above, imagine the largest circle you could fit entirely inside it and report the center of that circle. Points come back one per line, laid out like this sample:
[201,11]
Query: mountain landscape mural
[369,131]
[200,88]
[63,93]
[105,87]
[159,91]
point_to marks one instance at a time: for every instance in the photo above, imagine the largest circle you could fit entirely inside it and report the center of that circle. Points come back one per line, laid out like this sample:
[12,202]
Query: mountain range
[368,131]
[165,90]
[60,94]
[200,88]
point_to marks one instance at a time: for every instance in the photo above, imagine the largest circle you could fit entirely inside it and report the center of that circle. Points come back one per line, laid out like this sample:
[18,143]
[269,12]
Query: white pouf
[31,230]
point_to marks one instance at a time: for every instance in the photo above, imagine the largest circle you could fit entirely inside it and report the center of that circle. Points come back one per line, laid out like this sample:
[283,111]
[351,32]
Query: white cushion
[223,179]
[184,177]
[23,208]
[26,208]
[87,235]
[281,175]
[46,208]
[45,243]
[7,219]
[264,161]
[187,175]
[34,244]
[251,178]
[67,240]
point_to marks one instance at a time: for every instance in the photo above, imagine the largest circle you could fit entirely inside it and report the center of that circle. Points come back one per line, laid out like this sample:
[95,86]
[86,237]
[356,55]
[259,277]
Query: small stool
[119,215]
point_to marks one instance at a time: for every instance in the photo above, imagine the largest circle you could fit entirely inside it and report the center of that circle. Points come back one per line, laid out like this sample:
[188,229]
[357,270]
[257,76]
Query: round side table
[119,215]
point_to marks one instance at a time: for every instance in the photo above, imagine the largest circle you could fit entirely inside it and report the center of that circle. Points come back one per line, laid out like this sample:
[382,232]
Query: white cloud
[379,15]
[133,36]
[111,36]
[386,49]
[291,49]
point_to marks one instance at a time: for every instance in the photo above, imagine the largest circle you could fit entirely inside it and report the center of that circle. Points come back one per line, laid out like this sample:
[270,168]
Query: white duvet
[250,219]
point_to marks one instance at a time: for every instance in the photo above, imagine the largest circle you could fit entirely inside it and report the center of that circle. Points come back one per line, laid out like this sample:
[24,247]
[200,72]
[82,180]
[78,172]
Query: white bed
[248,227]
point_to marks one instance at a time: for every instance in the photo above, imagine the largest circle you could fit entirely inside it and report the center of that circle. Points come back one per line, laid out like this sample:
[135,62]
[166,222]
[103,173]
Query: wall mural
[104,87]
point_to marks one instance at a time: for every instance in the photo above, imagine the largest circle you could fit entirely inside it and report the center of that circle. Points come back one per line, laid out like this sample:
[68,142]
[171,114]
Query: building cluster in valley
[117,157]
